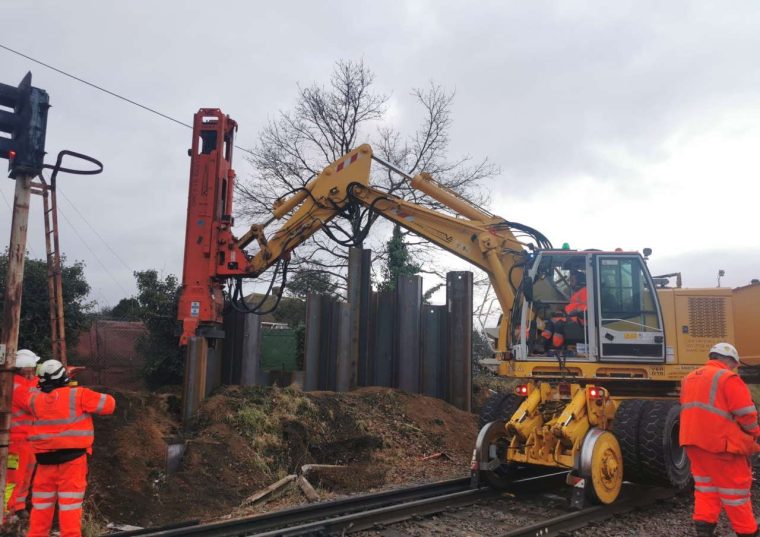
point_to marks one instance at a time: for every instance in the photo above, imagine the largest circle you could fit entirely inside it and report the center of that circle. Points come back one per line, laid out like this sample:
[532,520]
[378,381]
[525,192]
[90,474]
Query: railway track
[367,512]
[352,513]
[633,498]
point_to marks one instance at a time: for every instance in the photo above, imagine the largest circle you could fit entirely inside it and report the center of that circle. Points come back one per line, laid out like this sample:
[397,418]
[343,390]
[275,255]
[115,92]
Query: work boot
[705,529]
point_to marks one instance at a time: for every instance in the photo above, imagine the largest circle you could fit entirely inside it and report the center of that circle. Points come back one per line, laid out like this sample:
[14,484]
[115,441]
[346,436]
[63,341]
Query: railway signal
[23,127]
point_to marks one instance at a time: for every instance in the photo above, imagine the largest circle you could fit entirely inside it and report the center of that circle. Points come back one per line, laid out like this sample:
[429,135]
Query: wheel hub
[601,466]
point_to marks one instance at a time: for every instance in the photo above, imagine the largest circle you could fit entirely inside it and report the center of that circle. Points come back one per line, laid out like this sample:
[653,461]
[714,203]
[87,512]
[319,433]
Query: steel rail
[382,515]
[352,513]
[301,514]
[562,524]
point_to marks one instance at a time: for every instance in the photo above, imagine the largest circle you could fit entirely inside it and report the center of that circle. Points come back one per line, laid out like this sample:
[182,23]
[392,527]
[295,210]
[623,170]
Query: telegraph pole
[12,315]
[26,123]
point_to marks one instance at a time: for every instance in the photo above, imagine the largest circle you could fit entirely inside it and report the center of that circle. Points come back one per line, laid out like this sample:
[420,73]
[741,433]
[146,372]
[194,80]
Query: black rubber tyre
[625,426]
[500,407]
[662,460]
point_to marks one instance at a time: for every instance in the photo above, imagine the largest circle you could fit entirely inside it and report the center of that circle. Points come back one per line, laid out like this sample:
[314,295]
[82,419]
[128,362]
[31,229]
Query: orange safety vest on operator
[63,418]
[707,421]
[578,301]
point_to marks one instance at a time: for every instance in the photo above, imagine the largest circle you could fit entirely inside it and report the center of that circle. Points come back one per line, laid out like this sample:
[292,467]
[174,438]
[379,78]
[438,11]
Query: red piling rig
[212,253]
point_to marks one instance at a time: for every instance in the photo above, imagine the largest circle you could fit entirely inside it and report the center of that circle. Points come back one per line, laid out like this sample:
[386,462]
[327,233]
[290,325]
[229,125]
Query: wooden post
[12,315]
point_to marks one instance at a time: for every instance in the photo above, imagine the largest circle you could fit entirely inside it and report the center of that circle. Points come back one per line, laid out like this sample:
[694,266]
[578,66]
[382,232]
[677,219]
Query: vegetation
[398,261]
[34,332]
[156,306]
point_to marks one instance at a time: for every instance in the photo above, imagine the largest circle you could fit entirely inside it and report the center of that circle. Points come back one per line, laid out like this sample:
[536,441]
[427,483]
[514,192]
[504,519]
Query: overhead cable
[109,92]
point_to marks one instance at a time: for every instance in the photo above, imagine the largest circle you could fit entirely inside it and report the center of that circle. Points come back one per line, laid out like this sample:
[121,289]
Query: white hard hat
[51,370]
[725,350]
[26,358]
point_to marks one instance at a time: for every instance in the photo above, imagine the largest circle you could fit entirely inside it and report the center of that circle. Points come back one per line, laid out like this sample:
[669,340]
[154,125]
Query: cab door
[628,313]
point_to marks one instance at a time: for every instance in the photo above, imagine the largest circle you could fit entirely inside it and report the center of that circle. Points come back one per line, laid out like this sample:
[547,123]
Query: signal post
[25,120]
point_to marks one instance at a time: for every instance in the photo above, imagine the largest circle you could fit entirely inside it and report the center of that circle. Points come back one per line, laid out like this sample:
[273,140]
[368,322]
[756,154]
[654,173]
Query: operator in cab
[574,312]
[719,431]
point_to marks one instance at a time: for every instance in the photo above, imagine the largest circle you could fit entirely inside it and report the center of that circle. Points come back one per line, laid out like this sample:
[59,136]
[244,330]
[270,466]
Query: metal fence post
[196,353]
[459,332]
[344,357]
[433,350]
[251,373]
[311,342]
[409,297]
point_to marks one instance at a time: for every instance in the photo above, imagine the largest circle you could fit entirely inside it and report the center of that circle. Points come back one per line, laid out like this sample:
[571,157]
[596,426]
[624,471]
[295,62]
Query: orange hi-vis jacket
[717,412]
[578,301]
[21,419]
[63,418]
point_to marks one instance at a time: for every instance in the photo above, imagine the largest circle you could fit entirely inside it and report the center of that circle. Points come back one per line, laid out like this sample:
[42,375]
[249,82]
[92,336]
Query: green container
[279,350]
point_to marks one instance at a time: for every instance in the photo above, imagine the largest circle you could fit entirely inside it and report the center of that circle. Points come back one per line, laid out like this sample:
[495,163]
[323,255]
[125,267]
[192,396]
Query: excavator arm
[468,231]
[472,234]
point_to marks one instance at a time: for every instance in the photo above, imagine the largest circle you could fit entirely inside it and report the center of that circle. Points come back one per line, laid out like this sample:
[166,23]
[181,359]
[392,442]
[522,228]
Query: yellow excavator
[599,376]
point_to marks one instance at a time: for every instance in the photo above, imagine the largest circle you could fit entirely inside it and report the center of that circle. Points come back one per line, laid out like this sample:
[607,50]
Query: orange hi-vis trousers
[20,476]
[63,484]
[722,480]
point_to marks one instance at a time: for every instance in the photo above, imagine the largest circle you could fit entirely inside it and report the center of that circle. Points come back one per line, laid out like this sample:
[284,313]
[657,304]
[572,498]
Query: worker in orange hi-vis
[575,311]
[719,429]
[20,455]
[62,437]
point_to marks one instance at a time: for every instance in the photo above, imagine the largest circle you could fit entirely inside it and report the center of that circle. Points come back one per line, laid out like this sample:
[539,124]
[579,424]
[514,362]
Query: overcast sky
[614,124]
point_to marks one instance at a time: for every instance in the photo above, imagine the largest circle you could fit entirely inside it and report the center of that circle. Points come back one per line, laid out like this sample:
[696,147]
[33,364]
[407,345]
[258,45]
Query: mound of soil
[244,439]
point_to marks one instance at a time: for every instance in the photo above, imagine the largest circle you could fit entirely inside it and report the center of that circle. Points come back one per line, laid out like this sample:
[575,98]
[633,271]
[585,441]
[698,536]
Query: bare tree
[327,122]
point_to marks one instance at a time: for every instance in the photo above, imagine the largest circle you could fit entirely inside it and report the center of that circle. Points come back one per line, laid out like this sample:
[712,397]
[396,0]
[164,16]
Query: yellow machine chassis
[594,370]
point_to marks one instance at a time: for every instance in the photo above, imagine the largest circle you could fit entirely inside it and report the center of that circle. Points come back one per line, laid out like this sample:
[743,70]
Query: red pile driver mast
[211,252]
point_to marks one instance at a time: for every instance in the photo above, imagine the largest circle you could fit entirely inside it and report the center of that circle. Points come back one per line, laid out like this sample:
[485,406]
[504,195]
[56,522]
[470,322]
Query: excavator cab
[589,306]
[588,345]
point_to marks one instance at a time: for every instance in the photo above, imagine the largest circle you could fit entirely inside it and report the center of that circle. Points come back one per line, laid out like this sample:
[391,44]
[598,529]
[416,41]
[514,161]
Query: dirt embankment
[246,438]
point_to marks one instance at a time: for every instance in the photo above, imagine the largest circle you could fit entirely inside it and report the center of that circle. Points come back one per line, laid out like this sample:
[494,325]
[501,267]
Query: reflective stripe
[42,506]
[16,385]
[744,410]
[73,402]
[101,403]
[81,494]
[31,404]
[18,414]
[702,488]
[734,492]
[36,494]
[61,434]
[738,501]
[24,422]
[69,506]
[750,427]
[62,421]
[708,408]
[702,479]
[714,385]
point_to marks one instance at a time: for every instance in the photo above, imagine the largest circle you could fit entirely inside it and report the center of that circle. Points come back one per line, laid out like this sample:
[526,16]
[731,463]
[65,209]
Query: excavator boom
[213,254]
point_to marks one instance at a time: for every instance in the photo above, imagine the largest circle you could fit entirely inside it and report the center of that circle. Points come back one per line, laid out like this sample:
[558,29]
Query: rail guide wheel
[601,465]
[490,457]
